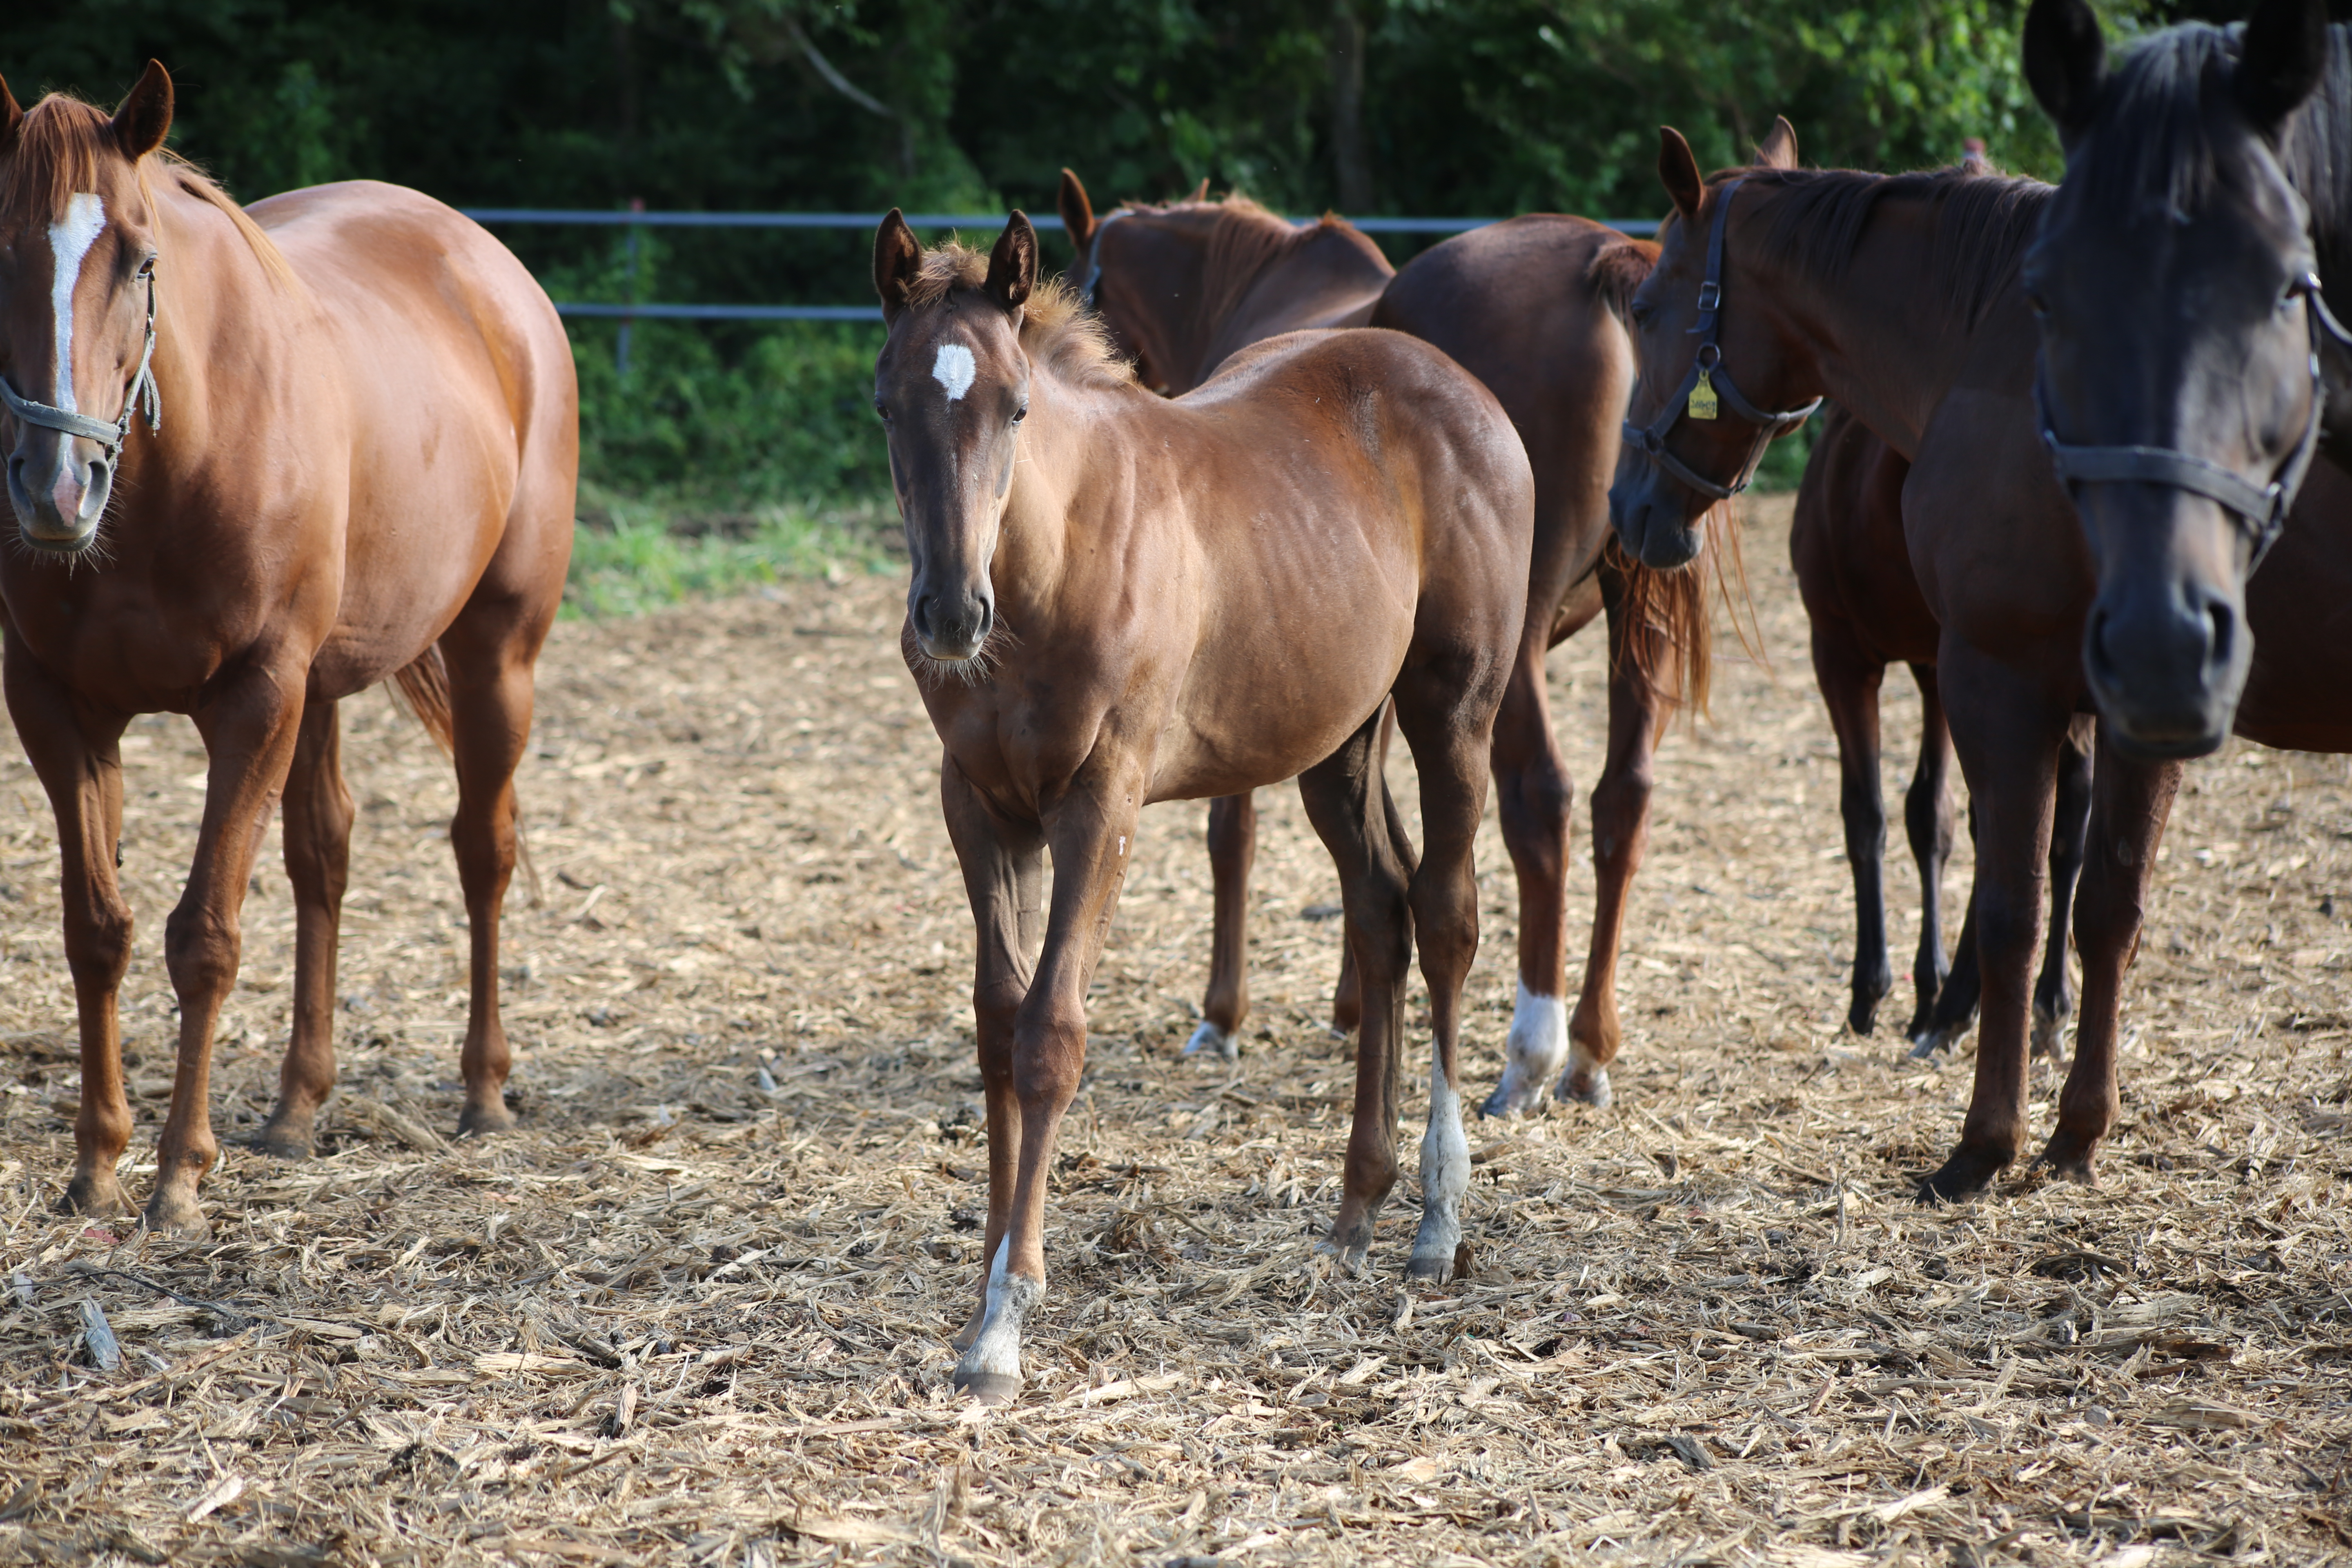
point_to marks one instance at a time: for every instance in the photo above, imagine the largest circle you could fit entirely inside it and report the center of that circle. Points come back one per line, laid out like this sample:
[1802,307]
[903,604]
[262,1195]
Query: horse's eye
[1642,313]
[2037,304]
[1020,413]
[147,267]
[882,411]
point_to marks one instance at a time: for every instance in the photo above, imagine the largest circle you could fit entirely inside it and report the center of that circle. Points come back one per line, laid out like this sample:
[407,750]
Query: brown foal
[1534,309]
[346,451]
[1118,599]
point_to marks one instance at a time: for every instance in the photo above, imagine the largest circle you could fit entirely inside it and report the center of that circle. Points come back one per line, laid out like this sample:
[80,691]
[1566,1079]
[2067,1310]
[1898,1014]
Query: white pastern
[1445,1177]
[70,238]
[1537,1048]
[997,1349]
[954,370]
[1586,1081]
[1209,1040]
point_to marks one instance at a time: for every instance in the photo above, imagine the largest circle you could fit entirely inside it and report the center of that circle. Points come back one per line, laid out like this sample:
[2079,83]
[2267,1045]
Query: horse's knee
[200,951]
[97,944]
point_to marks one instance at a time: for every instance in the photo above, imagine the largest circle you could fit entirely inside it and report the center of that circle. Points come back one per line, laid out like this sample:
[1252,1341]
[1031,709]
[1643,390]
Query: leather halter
[1708,376]
[2260,510]
[141,394]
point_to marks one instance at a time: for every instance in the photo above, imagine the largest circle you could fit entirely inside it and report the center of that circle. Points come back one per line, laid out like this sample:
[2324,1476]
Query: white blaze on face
[954,370]
[70,238]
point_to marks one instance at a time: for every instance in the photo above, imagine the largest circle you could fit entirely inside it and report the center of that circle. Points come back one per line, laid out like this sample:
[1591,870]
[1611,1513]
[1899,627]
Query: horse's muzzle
[2165,667]
[1653,528]
[58,504]
[953,626]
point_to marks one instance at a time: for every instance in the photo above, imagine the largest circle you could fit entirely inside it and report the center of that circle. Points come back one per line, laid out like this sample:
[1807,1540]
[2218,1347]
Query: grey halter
[2261,509]
[1091,285]
[1707,383]
[140,395]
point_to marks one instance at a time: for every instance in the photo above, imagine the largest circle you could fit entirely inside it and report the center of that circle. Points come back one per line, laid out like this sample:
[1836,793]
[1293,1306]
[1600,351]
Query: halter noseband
[140,395]
[1707,388]
[2261,509]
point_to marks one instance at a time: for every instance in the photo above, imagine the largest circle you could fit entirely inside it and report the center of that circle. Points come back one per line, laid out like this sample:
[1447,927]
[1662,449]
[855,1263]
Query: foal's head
[77,262]
[952,387]
[2172,278]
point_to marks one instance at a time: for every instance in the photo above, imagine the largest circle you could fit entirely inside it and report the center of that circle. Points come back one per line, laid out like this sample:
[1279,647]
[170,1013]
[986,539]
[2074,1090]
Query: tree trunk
[1350,163]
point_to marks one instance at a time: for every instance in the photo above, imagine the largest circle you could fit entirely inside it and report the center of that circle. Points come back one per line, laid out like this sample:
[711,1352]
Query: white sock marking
[70,238]
[1537,1048]
[1444,1172]
[998,1347]
[954,370]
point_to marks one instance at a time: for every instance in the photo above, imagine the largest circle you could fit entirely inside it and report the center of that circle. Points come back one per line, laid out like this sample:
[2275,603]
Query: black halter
[2261,509]
[1709,386]
[1091,284]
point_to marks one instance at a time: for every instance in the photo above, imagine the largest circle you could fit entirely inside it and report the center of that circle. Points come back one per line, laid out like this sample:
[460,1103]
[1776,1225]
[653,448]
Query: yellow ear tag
[1704,403]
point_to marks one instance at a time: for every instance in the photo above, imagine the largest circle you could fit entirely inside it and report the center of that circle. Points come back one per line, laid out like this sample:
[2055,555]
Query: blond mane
[1056,328]
[58,143]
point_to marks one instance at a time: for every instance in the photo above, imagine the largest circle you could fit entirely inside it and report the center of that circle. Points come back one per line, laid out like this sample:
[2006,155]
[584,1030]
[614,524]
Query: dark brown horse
[1534,309]
[1118,599]
[1853,572]
[1899,298]
[345,450]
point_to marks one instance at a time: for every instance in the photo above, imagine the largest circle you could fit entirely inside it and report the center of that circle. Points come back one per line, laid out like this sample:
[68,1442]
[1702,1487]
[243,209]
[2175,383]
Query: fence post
[629,286]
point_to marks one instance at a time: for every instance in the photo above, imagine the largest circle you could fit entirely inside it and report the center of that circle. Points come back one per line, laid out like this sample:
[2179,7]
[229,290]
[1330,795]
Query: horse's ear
[897,262]
[1779,148]
[1200,191]
[144,117]
[2066,63]
[1013,265]
[1678,172]
[11,118]
[2282,60]
[1078,212]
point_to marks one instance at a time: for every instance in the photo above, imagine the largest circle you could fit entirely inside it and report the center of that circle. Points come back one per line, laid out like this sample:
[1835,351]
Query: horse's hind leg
[1233,844]
[1963,986]
[75,754]
[1347,800]
[2053,998]
[1849,676]
[1927,821]
[1438,709]
[317,815]
[1534,798]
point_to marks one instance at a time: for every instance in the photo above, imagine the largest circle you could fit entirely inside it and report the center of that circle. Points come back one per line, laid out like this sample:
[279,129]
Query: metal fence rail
[607,218]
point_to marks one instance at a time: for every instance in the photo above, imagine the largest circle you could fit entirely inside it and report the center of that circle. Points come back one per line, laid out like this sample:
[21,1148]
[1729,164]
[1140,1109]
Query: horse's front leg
[1091,830]
[1533,798]
[250,728]
[2131,800]
[2069,838]
[74,752]
[318,838]
[1233,844]
[1003,877]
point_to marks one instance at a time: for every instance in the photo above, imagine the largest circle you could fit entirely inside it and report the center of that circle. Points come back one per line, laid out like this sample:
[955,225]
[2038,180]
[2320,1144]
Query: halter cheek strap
[142,396]
[1091,285]
[2260,510]
[1707,389]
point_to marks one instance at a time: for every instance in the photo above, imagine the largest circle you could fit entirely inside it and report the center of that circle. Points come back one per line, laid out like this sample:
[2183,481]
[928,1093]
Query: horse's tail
[423,689]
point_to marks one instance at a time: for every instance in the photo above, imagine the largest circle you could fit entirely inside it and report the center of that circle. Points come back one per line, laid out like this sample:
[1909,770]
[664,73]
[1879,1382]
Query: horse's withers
[2178,388]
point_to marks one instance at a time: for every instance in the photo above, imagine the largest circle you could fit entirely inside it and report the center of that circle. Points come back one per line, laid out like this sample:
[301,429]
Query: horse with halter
[1534,309]
[1119,598]
[1854,573]
[1899,297]
[260,460]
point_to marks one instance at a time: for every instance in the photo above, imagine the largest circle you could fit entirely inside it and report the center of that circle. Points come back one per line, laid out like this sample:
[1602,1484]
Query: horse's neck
[1886,342]
[219,314]
[1059,441]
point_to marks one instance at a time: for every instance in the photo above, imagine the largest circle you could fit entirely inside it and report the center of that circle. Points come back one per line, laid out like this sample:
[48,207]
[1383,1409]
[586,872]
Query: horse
[2189,366]
[1118,599]
[1899,297]
[1184,284]
[345,451]
[1853,574]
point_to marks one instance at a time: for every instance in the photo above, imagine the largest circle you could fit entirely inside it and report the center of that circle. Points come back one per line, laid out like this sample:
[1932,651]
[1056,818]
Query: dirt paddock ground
[695,1310]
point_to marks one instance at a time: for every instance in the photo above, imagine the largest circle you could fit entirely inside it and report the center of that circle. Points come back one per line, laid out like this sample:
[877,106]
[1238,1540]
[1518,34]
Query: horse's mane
[2155,140]
[57,147]
[1056,328]
[1983,222]
[1244,239]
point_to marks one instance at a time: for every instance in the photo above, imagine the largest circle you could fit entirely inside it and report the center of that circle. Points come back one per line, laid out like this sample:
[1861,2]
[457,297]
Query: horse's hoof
[1926,1042]
[1498,1104]
[286,1137]
[989,1387]
[2068,1159]
[100,1197]
[175,1212]
[1213,1041]
[480,1119]
[1434,1269]
[2049,1034]
[1967,1171]
[1588,1086]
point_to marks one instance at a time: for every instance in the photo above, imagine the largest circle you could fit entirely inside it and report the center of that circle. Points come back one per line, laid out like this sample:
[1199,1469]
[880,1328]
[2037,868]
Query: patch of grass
[631,555]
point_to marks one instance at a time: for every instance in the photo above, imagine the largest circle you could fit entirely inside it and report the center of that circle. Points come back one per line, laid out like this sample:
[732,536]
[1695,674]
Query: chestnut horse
[1118,599]
[1898,297]
[1853,572]
[1533,308]
[345,451]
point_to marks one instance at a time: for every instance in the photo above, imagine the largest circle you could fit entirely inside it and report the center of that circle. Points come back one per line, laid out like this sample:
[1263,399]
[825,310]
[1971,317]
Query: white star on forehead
[954,370]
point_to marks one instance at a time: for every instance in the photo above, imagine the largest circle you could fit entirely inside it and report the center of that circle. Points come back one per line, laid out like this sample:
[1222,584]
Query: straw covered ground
[695,1310]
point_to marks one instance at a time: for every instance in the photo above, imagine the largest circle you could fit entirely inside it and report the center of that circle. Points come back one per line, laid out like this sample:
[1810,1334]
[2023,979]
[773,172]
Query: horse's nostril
[2220,631]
